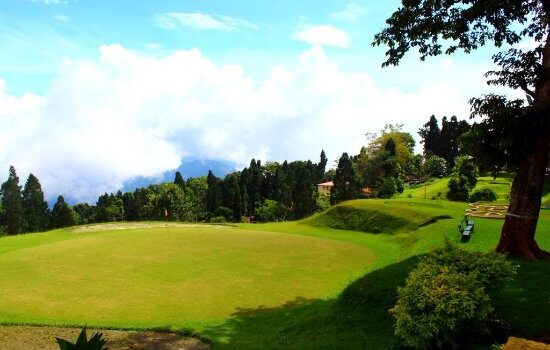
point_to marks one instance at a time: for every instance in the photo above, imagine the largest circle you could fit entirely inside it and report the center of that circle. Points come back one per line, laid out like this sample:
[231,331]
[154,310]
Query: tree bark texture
[518,233]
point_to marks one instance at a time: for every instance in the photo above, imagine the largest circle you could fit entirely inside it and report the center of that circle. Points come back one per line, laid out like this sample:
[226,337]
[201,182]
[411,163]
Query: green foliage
[85,212]
[511,132]
[214,194]
[323,203]
[388,188]
[110,207]
[430,134]
[12,203]
[435,166]
[269,210]
[232,198]
[484,194]
[223,212]
[458,188]
[35,208]
[321,166]
[96,342]
[217,220]
[178,180]
[444,142]
[165,202]
[463,179]
[447,297]
[62,214]
[466,166]
[345,181]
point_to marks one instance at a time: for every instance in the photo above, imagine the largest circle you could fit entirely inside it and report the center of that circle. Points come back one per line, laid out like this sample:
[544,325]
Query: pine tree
[35,208]
[214,192]
[232,195]
[178,180]
[321,166]
[345,182]
[62,214]
[12,203]
[430,134]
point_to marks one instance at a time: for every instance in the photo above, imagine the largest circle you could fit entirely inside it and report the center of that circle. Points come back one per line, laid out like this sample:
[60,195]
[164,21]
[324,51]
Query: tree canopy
[435,27]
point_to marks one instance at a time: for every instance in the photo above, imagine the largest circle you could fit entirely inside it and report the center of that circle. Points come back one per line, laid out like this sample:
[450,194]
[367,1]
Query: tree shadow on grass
[357,319]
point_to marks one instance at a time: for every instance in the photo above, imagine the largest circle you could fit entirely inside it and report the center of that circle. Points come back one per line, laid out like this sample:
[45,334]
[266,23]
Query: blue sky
[94,93]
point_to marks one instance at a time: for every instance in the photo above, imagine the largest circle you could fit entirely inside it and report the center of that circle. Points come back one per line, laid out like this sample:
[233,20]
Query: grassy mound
[378,216]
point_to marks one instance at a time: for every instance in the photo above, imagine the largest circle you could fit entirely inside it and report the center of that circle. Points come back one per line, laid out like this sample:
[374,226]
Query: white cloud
[61,18]
[123,115]
[174,20]
[323,35]
[351,13]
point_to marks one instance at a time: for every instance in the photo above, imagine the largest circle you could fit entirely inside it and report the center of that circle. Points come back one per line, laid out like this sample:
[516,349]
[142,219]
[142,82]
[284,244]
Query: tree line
[265,192]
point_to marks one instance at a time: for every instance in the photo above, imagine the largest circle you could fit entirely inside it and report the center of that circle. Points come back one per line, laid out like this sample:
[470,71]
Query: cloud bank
[124,114]
[326,35]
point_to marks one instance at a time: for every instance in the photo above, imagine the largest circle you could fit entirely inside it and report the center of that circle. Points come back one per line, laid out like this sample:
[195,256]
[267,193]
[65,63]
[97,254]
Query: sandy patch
[137,225]
[43,338]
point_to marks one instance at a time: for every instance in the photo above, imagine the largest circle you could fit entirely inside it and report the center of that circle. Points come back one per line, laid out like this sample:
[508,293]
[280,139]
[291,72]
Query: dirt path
[43,338]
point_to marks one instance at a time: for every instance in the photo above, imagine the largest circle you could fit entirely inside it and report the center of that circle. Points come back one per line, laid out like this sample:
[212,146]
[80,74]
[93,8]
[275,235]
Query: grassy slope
[358,319]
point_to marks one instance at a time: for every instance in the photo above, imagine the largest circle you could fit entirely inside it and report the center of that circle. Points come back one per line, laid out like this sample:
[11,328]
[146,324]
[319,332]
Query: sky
[94,93]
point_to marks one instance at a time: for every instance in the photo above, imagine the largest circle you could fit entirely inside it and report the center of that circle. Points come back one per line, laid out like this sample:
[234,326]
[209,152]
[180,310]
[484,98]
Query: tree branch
[528,91]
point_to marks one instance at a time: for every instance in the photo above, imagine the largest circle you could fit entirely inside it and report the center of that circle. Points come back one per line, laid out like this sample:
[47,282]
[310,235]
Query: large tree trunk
[518,233]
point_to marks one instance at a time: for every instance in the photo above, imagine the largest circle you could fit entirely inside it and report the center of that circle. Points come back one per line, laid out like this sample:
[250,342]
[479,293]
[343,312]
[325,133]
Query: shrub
[217,220]
[484,194]
[435,166]
[269,210]
[96,342]
[447,296]
[388,188]
[224,212]
[458,188]
[465,166]
[322,203]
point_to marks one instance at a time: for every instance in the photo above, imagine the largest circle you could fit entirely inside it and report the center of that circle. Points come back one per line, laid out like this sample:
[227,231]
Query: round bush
[458,188]
[217,220]
[447,297]
[483,195]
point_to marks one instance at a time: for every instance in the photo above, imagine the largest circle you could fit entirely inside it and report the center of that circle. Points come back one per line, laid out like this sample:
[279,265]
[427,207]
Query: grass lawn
[160,277]
[314,284]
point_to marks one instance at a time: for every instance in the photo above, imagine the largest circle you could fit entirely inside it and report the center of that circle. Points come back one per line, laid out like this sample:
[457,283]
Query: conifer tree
[12,203]
[213,193]
[178,180]
[62,214]
[35,208]
[321,166]
[345,182]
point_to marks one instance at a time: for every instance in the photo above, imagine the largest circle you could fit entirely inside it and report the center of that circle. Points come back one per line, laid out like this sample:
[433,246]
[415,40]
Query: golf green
[169,277]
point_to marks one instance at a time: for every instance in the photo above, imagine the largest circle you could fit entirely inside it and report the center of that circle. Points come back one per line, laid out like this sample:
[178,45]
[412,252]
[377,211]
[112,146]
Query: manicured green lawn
[173,277]
[291,285]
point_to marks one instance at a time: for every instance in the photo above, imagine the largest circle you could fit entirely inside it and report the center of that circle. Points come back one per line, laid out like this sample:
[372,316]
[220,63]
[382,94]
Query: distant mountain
[188,168]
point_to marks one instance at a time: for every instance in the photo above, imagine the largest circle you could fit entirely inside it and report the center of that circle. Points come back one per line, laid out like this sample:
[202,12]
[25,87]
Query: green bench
[465,227]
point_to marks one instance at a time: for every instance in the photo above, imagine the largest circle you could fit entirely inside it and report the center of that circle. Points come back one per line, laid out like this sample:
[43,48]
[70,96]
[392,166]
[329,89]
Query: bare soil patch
[135,225]
[524,344]
[43,338]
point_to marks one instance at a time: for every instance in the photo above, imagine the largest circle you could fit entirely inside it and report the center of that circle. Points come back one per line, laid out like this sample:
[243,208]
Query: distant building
[367,192]
[325,187]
